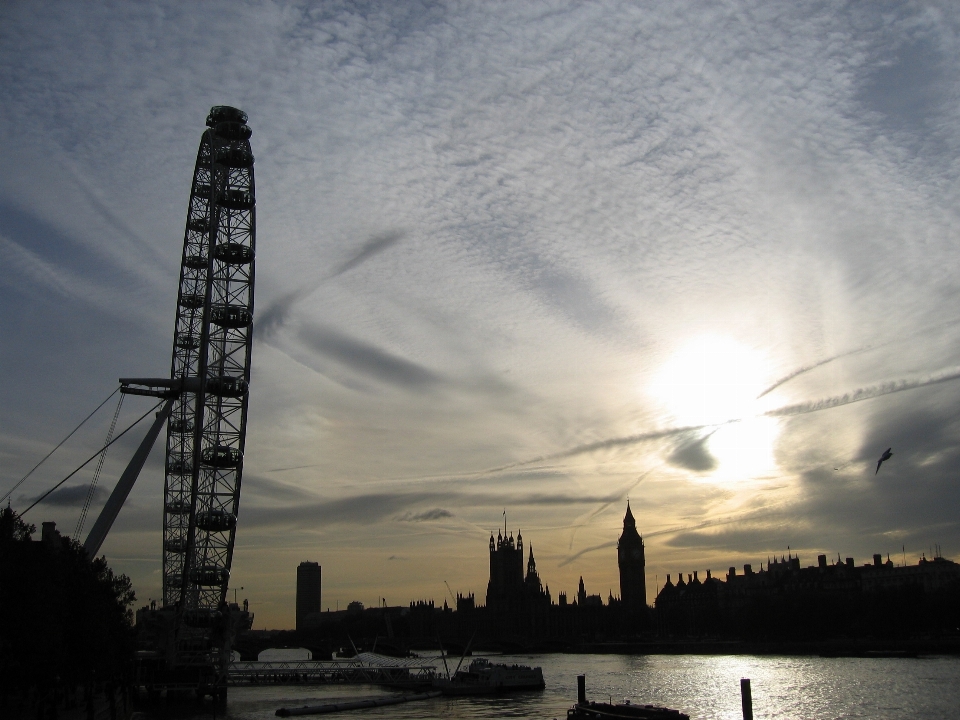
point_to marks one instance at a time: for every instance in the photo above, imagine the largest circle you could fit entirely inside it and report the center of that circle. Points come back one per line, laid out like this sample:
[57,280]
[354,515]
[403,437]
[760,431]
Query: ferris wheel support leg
[98,532]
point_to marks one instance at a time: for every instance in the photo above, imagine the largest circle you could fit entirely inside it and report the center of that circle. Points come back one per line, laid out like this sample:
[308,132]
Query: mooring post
[746,698]
[581,689]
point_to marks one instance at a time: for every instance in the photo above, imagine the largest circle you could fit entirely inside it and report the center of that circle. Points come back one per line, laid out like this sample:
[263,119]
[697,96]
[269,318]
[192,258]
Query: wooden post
[746,698]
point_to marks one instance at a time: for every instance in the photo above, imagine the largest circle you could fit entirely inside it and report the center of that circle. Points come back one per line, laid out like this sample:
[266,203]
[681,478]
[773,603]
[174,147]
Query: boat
[585,710]
[485,678]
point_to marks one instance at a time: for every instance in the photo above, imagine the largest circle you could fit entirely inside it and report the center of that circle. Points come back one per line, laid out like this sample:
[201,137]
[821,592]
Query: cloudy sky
[533,256]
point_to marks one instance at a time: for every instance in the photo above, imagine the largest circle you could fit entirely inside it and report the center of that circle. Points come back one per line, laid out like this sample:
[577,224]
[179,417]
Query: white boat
[483,678]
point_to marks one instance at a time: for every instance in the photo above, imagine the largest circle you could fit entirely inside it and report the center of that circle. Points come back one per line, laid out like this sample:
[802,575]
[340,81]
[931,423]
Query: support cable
[96,473]
[10,491]
[91,458]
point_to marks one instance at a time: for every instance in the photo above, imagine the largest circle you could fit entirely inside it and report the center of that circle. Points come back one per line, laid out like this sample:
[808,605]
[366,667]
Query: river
[704,687]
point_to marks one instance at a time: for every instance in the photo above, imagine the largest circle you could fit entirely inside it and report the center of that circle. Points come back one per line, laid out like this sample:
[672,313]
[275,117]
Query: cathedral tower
[633,584]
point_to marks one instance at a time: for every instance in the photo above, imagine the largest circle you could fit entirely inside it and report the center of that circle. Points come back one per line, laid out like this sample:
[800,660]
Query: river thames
[704,687]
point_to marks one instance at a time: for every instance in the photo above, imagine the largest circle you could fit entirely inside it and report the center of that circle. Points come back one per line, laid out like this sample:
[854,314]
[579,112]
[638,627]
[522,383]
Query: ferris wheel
[204,405]
[212,344]
[210,372]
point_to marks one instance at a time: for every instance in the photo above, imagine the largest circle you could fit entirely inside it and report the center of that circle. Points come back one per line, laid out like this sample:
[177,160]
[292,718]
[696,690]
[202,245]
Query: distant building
[534,592]
[466,603]
[630,558]
[823,600]
[505,588]
[308,595]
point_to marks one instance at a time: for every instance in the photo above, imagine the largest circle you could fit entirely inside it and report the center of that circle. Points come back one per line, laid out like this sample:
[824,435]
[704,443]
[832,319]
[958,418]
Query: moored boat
[485,678]
[585,710]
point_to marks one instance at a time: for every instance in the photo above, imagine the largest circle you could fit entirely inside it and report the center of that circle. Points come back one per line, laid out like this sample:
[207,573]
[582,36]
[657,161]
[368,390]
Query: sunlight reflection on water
[705,687]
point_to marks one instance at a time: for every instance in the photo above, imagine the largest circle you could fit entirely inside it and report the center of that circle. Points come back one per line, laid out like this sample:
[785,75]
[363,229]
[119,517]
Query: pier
[365,668]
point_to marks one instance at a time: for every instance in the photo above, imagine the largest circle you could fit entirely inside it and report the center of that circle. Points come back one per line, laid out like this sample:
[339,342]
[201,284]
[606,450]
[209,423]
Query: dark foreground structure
[66,642]
[186,641]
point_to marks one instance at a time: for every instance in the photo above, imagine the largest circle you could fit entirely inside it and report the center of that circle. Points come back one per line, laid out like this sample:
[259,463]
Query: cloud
[74,495]
[607,444]
[908,87]
[369,360]
[435,514]
[694,456]
[369,508]
[573,297]
[584,190]
[267,489]
[374,246]
[271,318]
[275,315]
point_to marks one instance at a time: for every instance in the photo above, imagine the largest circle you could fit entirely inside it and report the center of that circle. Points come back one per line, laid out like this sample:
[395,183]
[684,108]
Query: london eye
[207,392]
[204,404]
[212,344]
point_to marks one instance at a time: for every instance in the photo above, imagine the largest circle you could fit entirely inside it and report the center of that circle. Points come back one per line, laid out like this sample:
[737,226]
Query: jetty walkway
[365,668]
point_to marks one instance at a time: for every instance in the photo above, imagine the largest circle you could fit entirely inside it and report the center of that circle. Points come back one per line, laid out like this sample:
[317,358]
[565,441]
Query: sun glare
[713,380]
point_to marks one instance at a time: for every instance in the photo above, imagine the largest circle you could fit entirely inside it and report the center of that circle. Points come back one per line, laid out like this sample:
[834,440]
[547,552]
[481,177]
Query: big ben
[633,585]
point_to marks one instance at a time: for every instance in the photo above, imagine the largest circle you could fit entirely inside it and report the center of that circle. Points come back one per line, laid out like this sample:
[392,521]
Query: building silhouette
[827,600]
[630,558]
[308,594]
[505,588]
[781,602]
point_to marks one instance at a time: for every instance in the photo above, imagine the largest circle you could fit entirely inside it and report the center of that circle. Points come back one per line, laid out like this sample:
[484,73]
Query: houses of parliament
[510,591]
[782,601]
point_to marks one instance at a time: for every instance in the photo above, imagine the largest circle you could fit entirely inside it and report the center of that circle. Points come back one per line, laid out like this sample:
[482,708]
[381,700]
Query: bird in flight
[886,456]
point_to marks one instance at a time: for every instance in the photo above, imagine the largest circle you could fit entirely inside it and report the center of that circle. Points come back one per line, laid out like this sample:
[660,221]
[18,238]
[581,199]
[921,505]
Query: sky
[537,258]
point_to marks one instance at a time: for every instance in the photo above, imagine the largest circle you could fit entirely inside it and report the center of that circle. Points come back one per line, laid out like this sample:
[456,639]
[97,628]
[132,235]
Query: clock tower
[633,585]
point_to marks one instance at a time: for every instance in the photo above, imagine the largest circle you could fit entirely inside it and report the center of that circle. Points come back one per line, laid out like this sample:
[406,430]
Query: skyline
[539,257]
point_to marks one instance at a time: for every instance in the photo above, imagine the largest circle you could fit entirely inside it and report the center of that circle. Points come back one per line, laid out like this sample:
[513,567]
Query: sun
[714,381]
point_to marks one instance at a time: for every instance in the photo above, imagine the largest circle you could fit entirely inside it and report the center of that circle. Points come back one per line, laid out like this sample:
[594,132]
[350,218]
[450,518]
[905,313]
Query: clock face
[637,554]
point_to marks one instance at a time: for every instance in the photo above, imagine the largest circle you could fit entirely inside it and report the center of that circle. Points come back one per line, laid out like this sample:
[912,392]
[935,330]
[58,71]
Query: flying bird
[886,456]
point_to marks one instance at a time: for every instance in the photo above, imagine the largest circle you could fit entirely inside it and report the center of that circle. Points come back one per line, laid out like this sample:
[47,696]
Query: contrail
[865,348]
[604,444]
[867,393]
[750,515]
[607,504]
[292,467]
[594,548]
[808,368]
[273,317]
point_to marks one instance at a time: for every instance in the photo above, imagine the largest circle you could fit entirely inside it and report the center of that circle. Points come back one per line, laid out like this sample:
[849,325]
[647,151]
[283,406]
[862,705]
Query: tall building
[505,588]
[633,584]
[308,594]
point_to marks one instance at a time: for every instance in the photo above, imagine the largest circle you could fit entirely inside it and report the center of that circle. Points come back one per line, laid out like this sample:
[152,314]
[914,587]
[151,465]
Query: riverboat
[485,678]
[585,710]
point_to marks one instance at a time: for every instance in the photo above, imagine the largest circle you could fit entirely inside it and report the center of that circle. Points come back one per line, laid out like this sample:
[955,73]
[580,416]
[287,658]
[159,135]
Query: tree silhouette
[67,617]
